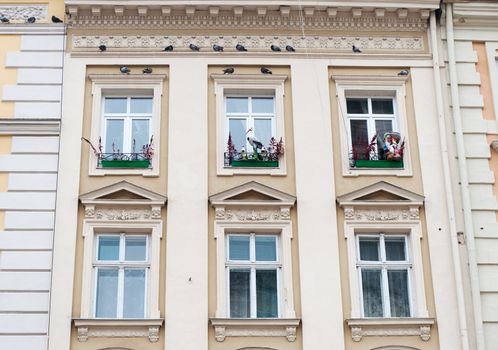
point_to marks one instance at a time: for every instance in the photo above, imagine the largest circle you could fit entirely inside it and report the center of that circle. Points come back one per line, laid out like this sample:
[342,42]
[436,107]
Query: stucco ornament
[22,12]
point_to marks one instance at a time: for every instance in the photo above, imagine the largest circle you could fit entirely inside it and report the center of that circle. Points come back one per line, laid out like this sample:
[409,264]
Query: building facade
[470,37]
[256,175]
[31,58]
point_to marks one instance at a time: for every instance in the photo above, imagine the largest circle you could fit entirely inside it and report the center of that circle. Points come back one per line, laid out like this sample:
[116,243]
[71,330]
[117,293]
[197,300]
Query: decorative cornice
[20,13]
[277,327]
[475,13]
[25,127]
[118,328]
[383,327]
[33,29]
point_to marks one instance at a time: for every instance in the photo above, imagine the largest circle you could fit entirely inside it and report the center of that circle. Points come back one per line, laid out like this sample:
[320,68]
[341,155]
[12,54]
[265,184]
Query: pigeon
[124,70]
[168,48]
[229,70]
[147,70]
[102,48]
[4,19]
[275,48]
[194,47]
[403,73]
[265,70]
[356,49]
[31,20]
[56,19]
[290,48]
[240,47]
[217,48]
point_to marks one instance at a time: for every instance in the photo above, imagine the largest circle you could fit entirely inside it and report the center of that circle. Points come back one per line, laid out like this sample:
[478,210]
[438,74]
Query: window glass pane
[141,105]
[107,292]
[369,248]
[237,105]
[398,293]
[139,134]
[359,139]
[114,135]
[240,297]
[135,248]
[238,128]
[266,248]
[381,127]
[395,248]
[262,105]
[266,293]
[239,247]
[262,131]
[372,292]
[134,293]
[108,248]
[115,105]
[382,106]
[357,105]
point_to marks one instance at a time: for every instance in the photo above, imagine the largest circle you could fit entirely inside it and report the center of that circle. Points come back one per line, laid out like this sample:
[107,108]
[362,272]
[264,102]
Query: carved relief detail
[151,332]
[253,43]
[221,332]
[124,214]
[390,214]
[21,13]
[156,213]
[89,211]
[424,331]
[82,334]
[252,214]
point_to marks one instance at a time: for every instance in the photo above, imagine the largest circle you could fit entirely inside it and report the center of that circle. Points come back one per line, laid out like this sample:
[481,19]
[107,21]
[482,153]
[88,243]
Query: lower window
[384,268]
[253,267]
[121,268]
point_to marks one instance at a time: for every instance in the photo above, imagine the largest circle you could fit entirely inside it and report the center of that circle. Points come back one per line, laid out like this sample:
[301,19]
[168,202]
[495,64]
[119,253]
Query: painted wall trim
[29,126]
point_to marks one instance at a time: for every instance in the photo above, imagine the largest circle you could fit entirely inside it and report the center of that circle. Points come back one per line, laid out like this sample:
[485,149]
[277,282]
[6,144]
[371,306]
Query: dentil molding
[20,13]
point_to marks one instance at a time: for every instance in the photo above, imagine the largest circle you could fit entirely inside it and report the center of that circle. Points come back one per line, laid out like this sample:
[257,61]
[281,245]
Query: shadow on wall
[116,349]
[395,347]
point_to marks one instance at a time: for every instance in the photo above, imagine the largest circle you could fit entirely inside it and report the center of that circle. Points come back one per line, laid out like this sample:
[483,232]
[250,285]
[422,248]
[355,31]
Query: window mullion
[385,293]
[120,296]
[253,293]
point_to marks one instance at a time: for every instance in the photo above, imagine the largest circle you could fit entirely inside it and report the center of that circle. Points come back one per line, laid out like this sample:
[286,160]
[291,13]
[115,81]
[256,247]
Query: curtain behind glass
[372,292]
[266,293]
[134,293]
[240,293]
[398,293]
[107,293]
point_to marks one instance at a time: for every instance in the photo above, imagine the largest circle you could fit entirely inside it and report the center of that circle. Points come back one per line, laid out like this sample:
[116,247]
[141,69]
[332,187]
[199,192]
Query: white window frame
[121,265]
[128,119]
[283,231]
[254,265]
[248,85]
[93,228]
[372,86]
[384,266]
[114,85]
[492,55]
[413,233]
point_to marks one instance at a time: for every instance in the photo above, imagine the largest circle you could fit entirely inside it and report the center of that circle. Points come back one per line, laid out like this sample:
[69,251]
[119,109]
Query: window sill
[118,328]
[125,164]
[378,164]
[255,327]
[381,327]
[252,163]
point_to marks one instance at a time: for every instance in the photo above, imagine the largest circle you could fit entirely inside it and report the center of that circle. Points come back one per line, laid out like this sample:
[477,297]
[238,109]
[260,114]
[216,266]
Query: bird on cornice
[356,49]
[147,70]
[194,47]
[275,48]
[290,48]
[124,70]
[265,70]
[168,48]
[102,48]
[31,20]
[217,48]
[403,73]
[56,19]
[4,19]
[228,70]
[240,47]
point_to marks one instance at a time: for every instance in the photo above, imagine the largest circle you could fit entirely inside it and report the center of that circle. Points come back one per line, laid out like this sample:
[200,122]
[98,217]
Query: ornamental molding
[384,214]
[255,328]
[252,215]
[31,127]
[255,44]
[118,328]
[390,327]
[20,13]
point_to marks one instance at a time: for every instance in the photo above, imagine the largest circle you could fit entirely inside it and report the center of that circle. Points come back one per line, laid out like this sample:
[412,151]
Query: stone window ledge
[381,327]
[118,328]
[261,327]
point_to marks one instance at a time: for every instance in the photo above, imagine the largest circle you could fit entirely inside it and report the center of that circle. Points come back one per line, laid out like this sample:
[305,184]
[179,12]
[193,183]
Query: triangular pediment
[380,193]
[252,193]
[122,192]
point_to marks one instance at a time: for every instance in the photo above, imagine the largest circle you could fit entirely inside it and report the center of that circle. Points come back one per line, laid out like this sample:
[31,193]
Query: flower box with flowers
[258,158]
[389,156]
[117,159]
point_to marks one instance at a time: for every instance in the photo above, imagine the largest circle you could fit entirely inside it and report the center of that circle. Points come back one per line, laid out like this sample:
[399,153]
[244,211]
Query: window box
[125,163]
[366,163]
[254,163]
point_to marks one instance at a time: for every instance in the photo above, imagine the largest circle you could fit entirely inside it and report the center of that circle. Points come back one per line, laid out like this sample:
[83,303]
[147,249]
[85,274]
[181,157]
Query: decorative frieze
[254,215]
[255,328]
[381,214]
[412,43]
[118,328]
[20,13]
[390,327]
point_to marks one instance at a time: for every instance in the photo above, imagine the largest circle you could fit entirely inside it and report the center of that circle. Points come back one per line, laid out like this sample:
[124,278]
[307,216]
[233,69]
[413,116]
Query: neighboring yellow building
[255,175]
[31,55]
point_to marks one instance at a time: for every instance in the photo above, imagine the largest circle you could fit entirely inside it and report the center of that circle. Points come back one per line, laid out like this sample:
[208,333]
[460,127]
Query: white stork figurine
[255,143]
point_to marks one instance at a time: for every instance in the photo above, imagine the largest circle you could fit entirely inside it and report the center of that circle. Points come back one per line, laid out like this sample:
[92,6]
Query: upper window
[253,266]
[250,124]
[384,268]
[373,125]
[126,124]
[121,271]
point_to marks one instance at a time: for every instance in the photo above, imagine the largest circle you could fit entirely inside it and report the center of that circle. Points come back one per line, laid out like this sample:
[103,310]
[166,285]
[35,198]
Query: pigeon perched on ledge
[265,70]
[228,70]
[56,19]
[194,47]
[240,47]
[275,48]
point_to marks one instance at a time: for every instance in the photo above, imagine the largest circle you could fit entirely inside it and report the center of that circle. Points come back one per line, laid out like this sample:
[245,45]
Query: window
[373,126]
[121,270]
[126,115]
[127,124]
[249,106]
[384,271]
[253,266]
[369,117]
